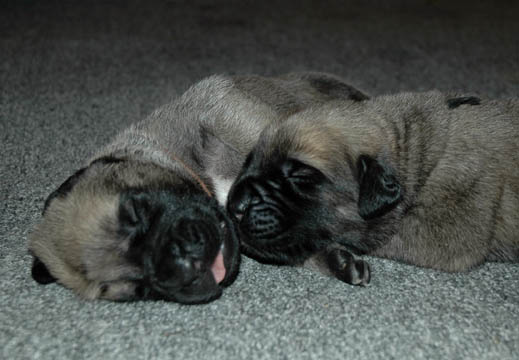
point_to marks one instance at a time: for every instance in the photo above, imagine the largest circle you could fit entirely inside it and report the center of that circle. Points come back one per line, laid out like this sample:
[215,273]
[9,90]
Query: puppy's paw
[357,272]
[346,268]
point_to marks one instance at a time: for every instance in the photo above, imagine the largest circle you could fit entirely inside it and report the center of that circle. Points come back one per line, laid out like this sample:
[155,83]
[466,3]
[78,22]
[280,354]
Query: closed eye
[304,185]
[303,173]
[302,178]
[292,168]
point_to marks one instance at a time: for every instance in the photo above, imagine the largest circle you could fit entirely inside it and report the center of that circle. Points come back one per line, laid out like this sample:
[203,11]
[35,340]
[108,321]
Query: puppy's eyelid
[297,169]
[302,174]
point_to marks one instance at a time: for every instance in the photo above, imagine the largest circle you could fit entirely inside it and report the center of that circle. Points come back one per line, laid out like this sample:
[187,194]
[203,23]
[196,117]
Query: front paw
[346,268]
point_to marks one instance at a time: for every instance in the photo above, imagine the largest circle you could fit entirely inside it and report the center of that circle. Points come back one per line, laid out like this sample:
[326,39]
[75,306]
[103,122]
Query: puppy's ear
[379,190]
[64,188]
[335,87]
[40,273]
[134,213]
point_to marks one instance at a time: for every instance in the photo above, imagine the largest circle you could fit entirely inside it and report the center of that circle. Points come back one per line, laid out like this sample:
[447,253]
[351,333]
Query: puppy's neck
[193,174]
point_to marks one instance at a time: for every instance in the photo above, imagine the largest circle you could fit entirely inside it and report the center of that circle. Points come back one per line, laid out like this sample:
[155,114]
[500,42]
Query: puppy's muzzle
[259,208]
[177,272]
[181,263]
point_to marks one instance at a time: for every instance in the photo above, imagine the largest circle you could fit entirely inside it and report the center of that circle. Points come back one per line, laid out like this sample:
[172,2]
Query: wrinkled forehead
[315,143]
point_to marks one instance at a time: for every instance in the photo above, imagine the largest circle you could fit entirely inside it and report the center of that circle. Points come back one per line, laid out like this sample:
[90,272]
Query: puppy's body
[430,179]
[144,218]
[460,179]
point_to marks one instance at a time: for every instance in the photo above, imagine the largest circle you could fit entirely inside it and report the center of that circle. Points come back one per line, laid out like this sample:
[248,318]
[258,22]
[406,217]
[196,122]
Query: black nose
[240,199]
[179,261]
[178,272]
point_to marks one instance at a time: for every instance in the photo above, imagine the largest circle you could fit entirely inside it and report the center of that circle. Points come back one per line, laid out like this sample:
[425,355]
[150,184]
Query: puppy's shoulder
[209,90]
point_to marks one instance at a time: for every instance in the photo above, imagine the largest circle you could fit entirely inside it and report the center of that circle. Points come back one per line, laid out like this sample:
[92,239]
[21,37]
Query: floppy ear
[40,273]
[335,87]
[64,188]
[379,190]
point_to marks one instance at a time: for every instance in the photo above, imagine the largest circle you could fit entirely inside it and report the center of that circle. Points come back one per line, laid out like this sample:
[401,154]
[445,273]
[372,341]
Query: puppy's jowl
[429,179]
[145,219]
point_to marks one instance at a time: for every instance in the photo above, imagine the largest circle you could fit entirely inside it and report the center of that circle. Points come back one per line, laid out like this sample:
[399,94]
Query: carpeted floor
[74,73]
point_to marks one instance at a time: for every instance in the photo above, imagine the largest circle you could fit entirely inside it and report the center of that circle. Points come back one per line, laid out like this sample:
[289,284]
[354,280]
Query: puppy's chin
[285,250]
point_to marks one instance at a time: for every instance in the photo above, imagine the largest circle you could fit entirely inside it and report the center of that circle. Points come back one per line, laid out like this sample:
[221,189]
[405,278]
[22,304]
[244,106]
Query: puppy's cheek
[118,291]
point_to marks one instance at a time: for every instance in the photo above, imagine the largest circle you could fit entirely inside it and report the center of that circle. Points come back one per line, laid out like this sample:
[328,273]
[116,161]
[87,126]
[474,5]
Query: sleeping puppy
[145,218]
[427,178]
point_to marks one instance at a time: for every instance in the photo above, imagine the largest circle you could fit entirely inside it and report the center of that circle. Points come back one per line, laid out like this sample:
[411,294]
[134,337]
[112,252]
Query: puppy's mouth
[225,265]
[218,266]
[223,262]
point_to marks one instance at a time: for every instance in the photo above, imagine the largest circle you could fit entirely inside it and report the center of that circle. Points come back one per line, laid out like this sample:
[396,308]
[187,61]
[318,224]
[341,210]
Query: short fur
[144,219]
[430,179]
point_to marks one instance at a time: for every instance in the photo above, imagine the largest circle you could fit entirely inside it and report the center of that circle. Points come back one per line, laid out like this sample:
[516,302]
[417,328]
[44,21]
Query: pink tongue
[218,268]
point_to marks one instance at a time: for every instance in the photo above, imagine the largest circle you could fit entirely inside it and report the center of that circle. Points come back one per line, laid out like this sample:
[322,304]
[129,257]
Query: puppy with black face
[428,179]
[145,218]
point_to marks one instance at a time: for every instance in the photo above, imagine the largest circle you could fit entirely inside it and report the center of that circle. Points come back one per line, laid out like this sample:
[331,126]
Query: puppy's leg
[337,262]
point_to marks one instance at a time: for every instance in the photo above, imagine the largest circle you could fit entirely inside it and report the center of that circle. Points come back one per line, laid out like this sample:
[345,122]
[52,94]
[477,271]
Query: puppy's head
[305,185]
[128,230]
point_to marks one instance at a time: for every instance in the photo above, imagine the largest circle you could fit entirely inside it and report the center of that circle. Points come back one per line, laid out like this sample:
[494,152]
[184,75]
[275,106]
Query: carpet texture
[73,73]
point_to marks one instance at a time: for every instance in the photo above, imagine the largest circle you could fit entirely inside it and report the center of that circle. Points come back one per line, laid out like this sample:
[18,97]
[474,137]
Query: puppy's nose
[240,200]
[187,269]
[178,272]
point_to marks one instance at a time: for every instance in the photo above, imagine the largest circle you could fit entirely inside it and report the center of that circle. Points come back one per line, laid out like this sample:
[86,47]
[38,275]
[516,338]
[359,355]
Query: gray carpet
[74,73]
